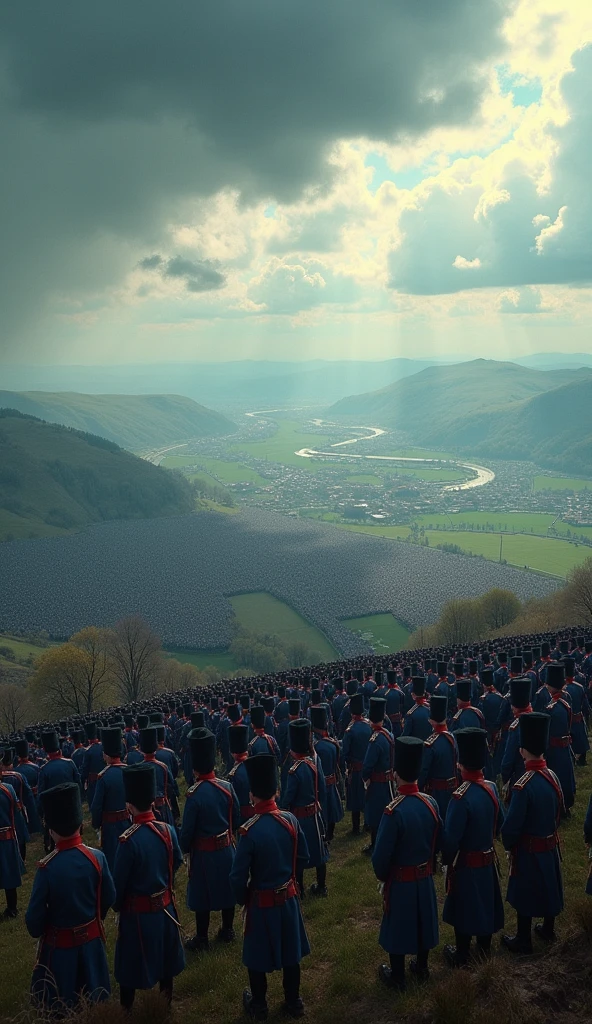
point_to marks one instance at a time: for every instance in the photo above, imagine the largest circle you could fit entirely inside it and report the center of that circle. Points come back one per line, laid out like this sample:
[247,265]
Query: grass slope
[384,633]
[263,613]
[53,479]
[133,421]
[339,978]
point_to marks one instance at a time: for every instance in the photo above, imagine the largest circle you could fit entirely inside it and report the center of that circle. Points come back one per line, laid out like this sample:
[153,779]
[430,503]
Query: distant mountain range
[53,479]
[132,421]
[485,407]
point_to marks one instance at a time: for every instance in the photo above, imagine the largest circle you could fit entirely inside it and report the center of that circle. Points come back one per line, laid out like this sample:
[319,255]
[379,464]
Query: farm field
[560,483]
[227,472]
[541,553]
[384,633]
[288,439]
[505,522]
[434,475]
[364,478]
[264,613]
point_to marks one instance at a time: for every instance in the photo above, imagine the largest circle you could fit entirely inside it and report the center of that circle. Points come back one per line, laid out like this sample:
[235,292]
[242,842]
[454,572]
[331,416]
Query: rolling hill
[132,421]
[54,479]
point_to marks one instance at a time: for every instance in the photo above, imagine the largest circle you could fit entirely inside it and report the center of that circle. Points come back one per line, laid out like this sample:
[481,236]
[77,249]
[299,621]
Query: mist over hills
[492,408]
[53,478]
[132,421]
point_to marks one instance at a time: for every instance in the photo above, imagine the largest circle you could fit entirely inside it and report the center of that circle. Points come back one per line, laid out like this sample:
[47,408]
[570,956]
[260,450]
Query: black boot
[11,904]
[293,1004]
[256,1011]
[419,966]
[355,830]
[319,887]
[546,930]
[521,942]
[393,974]
[226,932]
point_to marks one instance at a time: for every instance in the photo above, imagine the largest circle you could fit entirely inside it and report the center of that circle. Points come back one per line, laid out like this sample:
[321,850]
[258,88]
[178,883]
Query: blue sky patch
[525,92]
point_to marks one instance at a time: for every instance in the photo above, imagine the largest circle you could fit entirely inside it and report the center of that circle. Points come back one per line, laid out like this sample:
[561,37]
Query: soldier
[473,821]
[274,935]
[210,817]
[368,687]
[28,769]
[130,735]
[93,761]
[261,743]
[338,702]
[57,769]
[108,810]
[346,713]
[394,703]
[439,766]
[353,751]
[72,893]
[11,864]
[29,821]
[165,784]
[512,767]
[283,729]
[238,741]
[327,750]
[559,756]
[467,716]
[79,749]
[535,886]
[417,719]
[377,770]
[305,796]
[407,842]
[149,948]
[580,712]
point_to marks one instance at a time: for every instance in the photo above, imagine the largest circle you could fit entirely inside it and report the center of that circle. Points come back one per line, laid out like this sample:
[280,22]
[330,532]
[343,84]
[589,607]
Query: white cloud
[461,263]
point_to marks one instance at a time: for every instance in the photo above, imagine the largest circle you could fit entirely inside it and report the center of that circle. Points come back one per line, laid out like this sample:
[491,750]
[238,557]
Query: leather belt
[7,833]
[330,780]
[560,741]
[577,717]
[382,776]
[475,858]
[395,717]
[210,843]
[274,897]
[308,811]
[539,844]
[69,938]
[434,785]
[148,904]
[355,766]
[110,817]
[412,872]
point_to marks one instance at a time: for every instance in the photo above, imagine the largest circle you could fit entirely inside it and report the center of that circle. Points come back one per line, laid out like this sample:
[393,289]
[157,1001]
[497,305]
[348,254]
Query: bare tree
[499,607]
[461,621]
[15,708]
[136,658]
[95,677]
[579,591]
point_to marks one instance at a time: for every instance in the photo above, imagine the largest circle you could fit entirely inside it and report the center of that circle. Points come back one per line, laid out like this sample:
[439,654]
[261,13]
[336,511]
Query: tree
[96,675]
[136,656]
[461,621]
[499,607]
[58,684]
[176,675]
[421,638]
[298,653]
[579,591]
[15,708]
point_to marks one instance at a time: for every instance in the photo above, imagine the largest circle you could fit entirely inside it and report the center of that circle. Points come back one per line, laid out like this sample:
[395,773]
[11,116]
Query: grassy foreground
[339,977]
[384,633]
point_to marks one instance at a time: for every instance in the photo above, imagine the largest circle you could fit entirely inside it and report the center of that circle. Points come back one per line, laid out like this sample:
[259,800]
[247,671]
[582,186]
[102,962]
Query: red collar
[420,700]
[240,757]
[206,775]
[556,694]
[24,760]
[439,727]
[115,760]
[92,742]
[408,788]
[265,806]
[377,726]
[522,711]
[357,718]
[55,756]
[259,732]
[143,817]
[462,704]
[320,732]
[70,843]
[149,757]
[298,757]
[536,765]
[471,774]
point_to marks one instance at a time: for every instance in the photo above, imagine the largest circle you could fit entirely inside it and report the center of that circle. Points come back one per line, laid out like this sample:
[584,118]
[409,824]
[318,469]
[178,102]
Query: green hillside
[132,421]
[54,479]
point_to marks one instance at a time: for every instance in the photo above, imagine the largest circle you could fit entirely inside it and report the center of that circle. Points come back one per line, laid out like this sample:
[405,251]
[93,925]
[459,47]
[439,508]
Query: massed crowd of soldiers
[412,747]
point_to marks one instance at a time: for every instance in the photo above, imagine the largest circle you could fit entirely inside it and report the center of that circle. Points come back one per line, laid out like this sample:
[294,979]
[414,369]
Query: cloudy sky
[288,178]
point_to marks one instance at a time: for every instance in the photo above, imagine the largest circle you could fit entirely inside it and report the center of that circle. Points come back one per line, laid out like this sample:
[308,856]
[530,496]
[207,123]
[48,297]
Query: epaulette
[106,768]
[43,863]
[413,708]
[294,767]
[129,833]
[462,789]
[193,788]
[514,724]
[394,803]
[373,737]
[523,780]
[247,824]
[457,714]
[232,771]
[431,739]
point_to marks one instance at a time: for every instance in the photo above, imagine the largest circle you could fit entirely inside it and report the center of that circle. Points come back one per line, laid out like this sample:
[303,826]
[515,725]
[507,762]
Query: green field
[384,633]
[221,660]
[429,475]
[560,483]
[505,522]
[288,439]
[391,532]
[21,649]
[364,478]
[541,553]
[263,613]
[226,472]
[14,527]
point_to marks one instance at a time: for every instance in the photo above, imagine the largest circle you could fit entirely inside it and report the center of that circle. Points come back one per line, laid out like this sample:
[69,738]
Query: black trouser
[397,962]
[291,981]
[11,896]
[373,834]
[463,944]
[330,832]
[127,995]
[202,921]
[322,876]
[356,820]
[524,927]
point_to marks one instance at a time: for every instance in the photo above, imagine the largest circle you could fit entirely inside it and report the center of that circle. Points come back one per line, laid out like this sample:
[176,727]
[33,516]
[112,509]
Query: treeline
[213,491]
[268,653]
[499,613]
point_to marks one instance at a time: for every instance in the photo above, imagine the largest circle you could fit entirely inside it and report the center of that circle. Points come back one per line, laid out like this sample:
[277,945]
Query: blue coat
[417,722]
[211,809]
[588,841]
[353,751]
[65,895]
[30,821]
[473,821]
[264,745]
[78,758]
[168,757]
[448,690]
[378,774]
[328,753]
[166,787]
[239,780]
[560,758]
[269,854]
[394,709]
[535,886]
[11,865]
[110,798]
[56,771]
[92,765]
[305,787]
[30,771]
[467,718]
[149,945]
[541,699]
[408,835]
[580,714]
[512,766]
[439,765]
